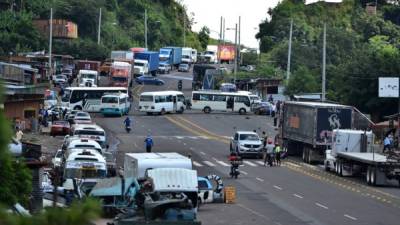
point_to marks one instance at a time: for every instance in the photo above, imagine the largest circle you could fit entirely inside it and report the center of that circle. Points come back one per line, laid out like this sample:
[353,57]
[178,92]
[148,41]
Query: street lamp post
[50,41]
[145,28]
[236,52]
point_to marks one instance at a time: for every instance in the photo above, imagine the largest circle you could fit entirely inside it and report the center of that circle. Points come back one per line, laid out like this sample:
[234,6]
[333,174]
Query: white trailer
[136,164]
[353,153]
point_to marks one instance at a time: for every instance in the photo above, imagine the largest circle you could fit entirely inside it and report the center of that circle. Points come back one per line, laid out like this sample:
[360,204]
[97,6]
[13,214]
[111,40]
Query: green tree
[302,81]
[204,36]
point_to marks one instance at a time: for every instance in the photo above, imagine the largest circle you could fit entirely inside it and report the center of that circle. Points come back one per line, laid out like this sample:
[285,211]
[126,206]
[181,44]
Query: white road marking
[350,217]
[277,187]
[222,163]
[197,164]
[184,143]
[297,196]
[249,163]
[259,179]
[244,172]
[191,148]
[208,163]
[204,137]
[322,206]
[193,137]
[293,164]
[260,162]
[180,137]
[135,144]
[202,153]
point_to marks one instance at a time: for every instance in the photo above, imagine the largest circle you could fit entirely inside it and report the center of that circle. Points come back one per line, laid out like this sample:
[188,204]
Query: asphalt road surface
[295,193]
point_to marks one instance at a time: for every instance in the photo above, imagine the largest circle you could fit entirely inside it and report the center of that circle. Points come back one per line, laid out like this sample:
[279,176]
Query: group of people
[149,143]
[273,152]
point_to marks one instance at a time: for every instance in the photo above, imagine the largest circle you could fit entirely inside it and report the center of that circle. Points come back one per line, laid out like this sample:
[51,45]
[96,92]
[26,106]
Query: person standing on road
[269,153]
[278,151]
[387,144]
[264,139]
[149,143]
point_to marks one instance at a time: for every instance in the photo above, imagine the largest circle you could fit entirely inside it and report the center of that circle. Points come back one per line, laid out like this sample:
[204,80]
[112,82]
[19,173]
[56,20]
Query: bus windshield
[146,98]
[109,100]
[88,76]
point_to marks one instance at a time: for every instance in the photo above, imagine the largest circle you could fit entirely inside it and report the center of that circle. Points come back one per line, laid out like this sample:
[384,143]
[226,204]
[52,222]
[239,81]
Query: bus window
[181,98]
[146,98]
[196,96]
[219,98]
[206,97]
[168,98]
[243,99]
[110,100]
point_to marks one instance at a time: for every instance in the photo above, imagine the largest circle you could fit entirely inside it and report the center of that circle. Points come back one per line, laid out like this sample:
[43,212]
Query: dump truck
[306,127]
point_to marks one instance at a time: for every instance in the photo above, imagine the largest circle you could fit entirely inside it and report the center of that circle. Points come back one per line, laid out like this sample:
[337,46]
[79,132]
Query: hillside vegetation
[360,48]
[122,26]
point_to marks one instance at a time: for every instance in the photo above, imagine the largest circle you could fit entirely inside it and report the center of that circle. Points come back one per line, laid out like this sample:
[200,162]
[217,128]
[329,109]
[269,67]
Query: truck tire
[368,176]
[309,160]
[340,167]
[207,109]
[304,155]
[373,176]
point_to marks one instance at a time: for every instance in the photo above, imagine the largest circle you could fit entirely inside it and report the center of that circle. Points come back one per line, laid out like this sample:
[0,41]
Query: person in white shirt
[19,134]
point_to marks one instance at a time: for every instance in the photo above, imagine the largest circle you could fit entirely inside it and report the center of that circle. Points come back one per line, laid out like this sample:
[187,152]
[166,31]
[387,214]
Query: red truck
[226,53]
[121,74]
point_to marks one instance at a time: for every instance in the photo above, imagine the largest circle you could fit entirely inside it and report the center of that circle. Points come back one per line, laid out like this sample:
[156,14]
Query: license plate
[252,149]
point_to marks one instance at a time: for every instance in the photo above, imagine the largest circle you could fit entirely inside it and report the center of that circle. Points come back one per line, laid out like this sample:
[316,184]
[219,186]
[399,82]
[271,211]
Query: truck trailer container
[306,127]
[226,53]
[199,72]
[171,56]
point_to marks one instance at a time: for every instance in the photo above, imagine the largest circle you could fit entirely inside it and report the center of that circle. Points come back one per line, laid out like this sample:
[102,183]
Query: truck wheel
[337,167]
[304,155]
[309,160]
[340,168]
[373,176]
[207,109]
[368,176]
[327,169]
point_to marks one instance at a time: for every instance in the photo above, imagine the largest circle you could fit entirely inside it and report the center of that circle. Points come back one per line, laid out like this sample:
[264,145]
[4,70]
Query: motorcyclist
[234,159]
[127,122]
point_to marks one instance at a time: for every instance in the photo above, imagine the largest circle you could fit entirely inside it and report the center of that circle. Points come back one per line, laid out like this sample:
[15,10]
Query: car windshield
[82,114]
[59,154]
[60,77]
[119,79]
[109,100]
[89,132]
[139,64]
[88,76]
[249,137]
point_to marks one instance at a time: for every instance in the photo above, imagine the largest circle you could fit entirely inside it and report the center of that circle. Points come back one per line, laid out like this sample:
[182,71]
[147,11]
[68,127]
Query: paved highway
[295,193]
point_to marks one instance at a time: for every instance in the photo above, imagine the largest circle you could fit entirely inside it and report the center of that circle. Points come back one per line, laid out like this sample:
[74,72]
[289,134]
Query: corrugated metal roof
[174,179]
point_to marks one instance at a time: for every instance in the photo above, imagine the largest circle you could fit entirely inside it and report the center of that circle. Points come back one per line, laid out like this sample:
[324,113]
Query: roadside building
[263,87]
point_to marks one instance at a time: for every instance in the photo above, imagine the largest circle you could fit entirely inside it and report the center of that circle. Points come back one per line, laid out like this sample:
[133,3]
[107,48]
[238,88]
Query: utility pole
[219,44]
[236,57]
[145,28]
[324,65]
[99,29]
[223,32]
[50,41]
[289,51]
[240,58]
[184,31]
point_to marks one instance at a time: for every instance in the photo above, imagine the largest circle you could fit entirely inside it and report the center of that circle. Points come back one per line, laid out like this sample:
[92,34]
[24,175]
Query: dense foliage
[122,26]
[360,48]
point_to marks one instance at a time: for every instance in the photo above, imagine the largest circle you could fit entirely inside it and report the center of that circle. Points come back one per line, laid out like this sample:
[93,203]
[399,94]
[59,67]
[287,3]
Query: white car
[164,68]
[58,157]
[60,79]
[83,143]
[83,117]
[246,143]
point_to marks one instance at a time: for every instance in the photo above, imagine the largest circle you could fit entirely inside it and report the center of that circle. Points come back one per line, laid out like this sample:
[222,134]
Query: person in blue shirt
[127,122]
[149,143]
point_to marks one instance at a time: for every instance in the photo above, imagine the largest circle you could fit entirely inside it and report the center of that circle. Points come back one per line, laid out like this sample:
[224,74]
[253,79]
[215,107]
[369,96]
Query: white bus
[221,101]
[115,104]
[88,98]
[162,102]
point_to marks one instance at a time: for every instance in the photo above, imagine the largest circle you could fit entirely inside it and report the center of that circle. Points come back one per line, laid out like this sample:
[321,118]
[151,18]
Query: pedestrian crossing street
[214,163]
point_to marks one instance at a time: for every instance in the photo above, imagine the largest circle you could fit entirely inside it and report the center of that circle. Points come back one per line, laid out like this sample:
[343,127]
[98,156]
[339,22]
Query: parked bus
[162,102]
[115,104]
[221,101]
[87,98]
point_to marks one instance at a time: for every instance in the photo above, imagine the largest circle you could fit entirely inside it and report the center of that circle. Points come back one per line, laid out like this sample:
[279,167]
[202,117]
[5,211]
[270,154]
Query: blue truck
[171,56]
[146,63]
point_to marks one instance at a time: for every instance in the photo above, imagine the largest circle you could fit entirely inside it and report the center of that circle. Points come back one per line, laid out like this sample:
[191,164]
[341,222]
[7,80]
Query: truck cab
[121,74]
[88,78]
[141,67]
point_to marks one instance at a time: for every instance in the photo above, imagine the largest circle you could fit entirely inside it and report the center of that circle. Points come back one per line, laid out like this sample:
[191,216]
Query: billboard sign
[388,87]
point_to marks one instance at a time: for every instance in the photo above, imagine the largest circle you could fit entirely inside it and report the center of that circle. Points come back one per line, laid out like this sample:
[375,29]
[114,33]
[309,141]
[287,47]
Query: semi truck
[171,56]
[353,153]
[210,55]
[121,74]
[187,55]
[146,63]
[136,164]
[306,127]
[87,65]
[226,53]
[88,78]
[199,72]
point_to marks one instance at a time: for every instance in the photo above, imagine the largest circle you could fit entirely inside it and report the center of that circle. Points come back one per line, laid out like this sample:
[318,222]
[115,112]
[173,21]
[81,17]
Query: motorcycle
[235,169]
[128,129]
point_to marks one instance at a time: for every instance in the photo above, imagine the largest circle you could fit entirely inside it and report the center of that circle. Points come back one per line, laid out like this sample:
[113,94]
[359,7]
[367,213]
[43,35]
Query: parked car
[57,110]
[71,115]
[67,72]
[149,80]
[246,143]
[262,108]
[183,67]
[57,159]
[59,127]
[164,68]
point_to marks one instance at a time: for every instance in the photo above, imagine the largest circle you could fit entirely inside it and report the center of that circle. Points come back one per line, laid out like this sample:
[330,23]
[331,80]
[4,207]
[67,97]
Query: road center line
[297,196]
[197,164]
[322,206]
[350,217]
[244,172]
[259,179]
[277,187]
[202,153]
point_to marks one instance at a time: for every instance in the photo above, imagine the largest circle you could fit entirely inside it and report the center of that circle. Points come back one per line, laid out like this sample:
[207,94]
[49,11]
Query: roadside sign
[230,194]
[388,87]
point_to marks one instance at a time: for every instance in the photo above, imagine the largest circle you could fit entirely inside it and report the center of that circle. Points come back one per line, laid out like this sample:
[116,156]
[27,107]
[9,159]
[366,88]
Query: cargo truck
[226,53]
[171,56]
[353,153]
[199,72]
[306,127]
[187,55]
[121,74]
[87,65]
[146,63]
[122,55]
